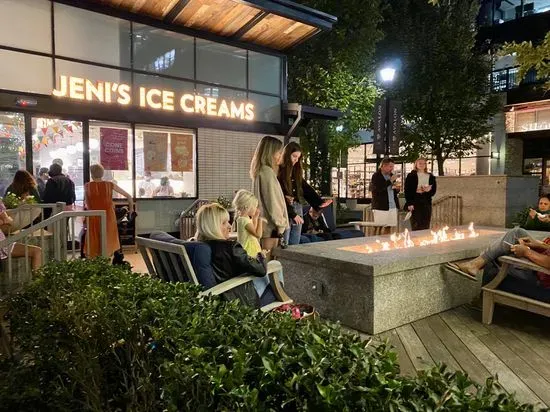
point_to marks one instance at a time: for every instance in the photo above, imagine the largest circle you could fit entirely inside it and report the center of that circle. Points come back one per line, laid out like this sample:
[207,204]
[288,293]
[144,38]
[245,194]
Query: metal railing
[186,221]
[49,234]
[447,211]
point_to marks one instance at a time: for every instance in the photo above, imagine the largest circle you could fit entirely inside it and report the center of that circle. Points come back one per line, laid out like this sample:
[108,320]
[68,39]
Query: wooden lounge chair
[171,262]
[504,290]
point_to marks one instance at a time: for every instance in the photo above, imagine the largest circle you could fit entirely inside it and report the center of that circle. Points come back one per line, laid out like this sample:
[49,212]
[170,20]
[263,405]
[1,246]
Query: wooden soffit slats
[251,21]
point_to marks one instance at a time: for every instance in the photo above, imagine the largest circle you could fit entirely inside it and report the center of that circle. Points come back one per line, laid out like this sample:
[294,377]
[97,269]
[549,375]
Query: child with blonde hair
[249,223]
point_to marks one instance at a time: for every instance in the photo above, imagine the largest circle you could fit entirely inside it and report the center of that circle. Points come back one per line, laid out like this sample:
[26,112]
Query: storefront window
[95,37]
[26,24]
[166,162]
[25,72]
[155,82]
[264,73]
[162,51]
[12,147]
[111,145]
[60,141]
[532,166]
[221,64]
[221,92]
[267,108]
[90,72]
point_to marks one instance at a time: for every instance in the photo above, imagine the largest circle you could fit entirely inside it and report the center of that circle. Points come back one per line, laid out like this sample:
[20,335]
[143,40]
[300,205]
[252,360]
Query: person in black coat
[229,259]
[384,195]
[420,187]
[59,188]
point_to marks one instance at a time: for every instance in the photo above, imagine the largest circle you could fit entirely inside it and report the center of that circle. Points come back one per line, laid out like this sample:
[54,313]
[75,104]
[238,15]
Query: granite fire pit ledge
[380,291]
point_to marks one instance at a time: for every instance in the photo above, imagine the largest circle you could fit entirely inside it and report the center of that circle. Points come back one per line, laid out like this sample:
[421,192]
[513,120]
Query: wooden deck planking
[405,365]
[434,345]
[414,347]
[507,378]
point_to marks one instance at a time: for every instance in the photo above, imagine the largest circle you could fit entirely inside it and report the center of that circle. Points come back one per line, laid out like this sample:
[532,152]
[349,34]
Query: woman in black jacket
[229,259]
[420,187]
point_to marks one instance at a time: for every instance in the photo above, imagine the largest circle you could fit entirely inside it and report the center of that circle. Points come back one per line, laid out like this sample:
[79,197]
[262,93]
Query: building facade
[177,90]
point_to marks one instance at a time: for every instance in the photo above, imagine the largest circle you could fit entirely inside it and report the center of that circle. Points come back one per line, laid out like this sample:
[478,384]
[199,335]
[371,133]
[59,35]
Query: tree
[529,56]
[334,70]
[443,82]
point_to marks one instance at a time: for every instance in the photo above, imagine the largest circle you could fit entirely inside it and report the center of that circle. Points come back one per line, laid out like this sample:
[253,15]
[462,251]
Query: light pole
[387,118]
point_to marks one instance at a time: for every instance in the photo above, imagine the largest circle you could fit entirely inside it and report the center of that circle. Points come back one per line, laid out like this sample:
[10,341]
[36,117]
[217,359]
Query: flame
[403,240]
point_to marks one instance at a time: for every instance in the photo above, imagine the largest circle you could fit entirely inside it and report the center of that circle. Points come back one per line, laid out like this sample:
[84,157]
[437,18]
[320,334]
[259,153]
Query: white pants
[385,217]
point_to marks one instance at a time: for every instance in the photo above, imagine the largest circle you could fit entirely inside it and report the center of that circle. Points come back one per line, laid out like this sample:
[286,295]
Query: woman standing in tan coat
[266,188]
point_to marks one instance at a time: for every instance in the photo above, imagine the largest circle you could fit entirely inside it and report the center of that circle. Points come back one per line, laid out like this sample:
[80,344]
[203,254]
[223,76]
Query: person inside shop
[268,191]
[165,189]
[98,195]
[539,219]
[146,187]
[384,189]
[24,186]
[16,250]
[41,180]
[59,188]
[229,259]
[315,227]
[420,188]
[515,242]
[296,190]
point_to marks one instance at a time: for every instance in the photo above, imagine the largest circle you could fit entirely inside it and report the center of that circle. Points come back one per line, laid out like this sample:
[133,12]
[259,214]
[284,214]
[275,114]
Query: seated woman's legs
[496,250]
[34,252]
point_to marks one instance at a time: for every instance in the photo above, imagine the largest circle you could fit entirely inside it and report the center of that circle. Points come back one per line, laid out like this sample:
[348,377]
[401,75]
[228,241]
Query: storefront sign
[155,148]
[78,88]
[113,153]
[181,150]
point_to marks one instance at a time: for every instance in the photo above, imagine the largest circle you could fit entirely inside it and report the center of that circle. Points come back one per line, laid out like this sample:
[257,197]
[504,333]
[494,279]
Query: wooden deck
[516,348]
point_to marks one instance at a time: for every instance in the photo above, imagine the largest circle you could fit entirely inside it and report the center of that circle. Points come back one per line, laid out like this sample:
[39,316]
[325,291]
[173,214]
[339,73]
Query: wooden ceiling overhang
[275,24]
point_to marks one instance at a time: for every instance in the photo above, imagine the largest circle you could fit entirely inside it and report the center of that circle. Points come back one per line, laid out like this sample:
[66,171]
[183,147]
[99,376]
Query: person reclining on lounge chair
[229,259]
[518,242]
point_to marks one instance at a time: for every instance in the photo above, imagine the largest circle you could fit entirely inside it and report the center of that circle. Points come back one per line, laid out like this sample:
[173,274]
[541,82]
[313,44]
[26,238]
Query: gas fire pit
[374,284]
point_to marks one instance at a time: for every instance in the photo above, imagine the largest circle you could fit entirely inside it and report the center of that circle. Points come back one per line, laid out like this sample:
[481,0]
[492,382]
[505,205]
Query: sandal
[453,267]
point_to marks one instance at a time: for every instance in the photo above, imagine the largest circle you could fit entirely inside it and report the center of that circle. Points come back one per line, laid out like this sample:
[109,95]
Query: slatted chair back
[167,261]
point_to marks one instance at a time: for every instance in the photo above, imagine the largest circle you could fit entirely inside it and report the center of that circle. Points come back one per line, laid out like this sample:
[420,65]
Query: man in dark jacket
[59,188]
[384,195]
[42,180]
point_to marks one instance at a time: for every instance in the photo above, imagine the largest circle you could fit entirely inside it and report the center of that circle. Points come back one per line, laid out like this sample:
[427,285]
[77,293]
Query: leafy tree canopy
[442,81]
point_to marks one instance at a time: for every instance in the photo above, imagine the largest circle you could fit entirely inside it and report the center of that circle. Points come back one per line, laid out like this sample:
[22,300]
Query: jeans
[295,229]
[499,248]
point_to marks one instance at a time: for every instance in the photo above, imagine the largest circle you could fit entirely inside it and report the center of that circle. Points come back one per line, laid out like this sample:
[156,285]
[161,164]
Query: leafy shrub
[521,216]
[12,201]
[90,336]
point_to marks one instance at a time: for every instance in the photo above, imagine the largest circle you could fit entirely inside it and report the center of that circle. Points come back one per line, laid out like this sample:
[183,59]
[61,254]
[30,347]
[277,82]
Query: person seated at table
[229,259]
[315,227]
[539,219]
[515,242]
[23,186]
[165,189]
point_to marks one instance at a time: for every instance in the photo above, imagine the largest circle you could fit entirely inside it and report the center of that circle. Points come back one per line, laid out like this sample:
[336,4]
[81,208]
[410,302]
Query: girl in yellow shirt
[249,223]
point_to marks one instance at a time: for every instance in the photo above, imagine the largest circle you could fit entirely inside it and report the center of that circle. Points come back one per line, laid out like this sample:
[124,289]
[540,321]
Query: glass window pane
[163,51]
[12,147]
[111,146]
[25,72]
[155,82]
[26,24]
[85,35]
[90,72]
[221,64]
[264,73]
[221,92]
[532,166]
[267,108]
[166,163]
[59,139]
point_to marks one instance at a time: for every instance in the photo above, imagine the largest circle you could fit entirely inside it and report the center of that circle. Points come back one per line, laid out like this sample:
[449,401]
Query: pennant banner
[181,150]
[379,130]
[155,151]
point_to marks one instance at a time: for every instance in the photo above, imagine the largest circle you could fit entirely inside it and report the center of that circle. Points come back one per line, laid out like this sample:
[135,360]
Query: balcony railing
[505,79]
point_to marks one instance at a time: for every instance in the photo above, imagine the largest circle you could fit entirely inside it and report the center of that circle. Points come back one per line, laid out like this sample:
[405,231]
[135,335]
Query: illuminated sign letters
[78,88]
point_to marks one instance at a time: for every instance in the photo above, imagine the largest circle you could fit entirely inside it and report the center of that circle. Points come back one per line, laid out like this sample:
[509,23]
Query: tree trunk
[440,161]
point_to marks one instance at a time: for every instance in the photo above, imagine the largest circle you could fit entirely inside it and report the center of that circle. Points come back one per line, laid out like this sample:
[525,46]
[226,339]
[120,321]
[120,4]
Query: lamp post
[387,118]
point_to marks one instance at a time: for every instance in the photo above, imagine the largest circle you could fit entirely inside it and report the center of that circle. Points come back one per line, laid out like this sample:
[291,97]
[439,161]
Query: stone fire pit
[378,291]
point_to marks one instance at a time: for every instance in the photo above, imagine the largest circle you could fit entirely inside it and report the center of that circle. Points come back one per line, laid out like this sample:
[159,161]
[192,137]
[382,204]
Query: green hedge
[90,336]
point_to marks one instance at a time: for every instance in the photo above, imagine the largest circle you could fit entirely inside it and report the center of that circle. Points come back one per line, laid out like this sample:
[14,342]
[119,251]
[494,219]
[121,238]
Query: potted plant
[21,210]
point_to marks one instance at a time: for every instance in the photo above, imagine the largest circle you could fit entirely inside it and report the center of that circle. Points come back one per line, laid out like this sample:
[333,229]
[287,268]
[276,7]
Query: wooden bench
[492,295]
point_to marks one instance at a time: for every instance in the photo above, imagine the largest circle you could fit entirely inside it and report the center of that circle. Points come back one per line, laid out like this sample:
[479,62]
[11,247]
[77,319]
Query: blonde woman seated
[229,259]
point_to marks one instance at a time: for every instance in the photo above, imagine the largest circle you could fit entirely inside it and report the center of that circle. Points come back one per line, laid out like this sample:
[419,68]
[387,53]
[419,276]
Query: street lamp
[387,118]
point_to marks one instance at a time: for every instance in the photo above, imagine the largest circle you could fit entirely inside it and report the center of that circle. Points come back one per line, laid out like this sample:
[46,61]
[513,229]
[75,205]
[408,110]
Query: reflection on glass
[12,147]
[111,145]
[213,56]
[58,139]
[532,166]
[166,162]
[264,72]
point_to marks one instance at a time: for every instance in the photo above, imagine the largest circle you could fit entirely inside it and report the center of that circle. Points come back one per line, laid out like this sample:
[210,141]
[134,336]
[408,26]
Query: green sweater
[536,224]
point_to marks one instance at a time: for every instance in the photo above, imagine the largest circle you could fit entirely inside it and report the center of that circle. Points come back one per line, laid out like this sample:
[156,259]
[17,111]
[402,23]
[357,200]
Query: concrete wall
[490,200]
